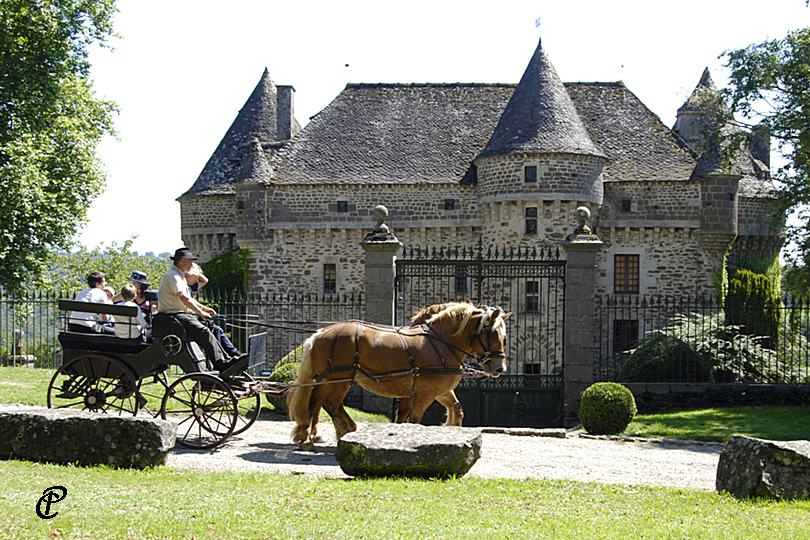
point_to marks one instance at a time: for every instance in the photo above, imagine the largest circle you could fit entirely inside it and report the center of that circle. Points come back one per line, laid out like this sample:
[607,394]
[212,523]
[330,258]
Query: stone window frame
[530,216]
[462,279]
[630,282]
[622,334]
[329,278]
[532,297]
[530,173]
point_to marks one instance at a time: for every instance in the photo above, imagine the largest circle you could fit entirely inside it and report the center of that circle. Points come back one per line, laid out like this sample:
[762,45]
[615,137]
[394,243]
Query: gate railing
[694,339]
[529,282]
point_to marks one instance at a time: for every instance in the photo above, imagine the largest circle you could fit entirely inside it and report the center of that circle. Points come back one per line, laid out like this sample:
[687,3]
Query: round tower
[539,165]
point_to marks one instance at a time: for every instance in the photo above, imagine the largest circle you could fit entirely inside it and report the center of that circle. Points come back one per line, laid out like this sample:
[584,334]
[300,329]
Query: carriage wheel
[204,407]
[171,345]
[94,383]
[249,402]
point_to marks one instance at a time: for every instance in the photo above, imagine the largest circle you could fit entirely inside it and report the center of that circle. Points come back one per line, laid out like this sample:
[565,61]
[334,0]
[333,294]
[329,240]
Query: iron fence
[698,339]
[278,323]
[30,322]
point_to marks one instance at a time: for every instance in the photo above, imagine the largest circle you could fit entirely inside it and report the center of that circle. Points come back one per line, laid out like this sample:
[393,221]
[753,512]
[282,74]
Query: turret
[539,164]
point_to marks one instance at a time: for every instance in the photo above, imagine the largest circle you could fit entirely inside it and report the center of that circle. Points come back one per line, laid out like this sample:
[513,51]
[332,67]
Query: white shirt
[172,283]
[125,328]
[95,296]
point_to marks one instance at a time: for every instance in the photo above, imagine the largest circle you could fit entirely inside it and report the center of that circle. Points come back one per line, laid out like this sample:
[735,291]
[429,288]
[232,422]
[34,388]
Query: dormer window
[530,174]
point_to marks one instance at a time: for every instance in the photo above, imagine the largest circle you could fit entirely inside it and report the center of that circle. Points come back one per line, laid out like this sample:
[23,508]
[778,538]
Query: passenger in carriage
[125,327]
[138,280]
[196,280]
[91,323]
[175,301]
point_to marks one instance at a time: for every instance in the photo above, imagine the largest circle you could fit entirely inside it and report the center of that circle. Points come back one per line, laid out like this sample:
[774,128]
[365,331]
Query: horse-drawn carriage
[166,376]
[418,364]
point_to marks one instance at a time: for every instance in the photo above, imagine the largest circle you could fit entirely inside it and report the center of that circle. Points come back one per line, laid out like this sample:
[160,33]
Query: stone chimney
[760,144]
[285,115]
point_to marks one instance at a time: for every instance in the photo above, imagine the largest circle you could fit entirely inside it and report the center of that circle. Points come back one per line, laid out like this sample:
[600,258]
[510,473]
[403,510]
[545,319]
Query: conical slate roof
[703,96]
[540,117]
[257,119]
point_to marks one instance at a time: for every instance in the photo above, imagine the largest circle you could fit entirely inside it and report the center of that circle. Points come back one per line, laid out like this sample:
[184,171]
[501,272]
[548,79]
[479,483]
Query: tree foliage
[50,126]
[769,84]
[67,272]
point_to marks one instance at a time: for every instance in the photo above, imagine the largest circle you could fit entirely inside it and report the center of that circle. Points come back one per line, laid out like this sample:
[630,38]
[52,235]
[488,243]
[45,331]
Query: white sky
[183,68]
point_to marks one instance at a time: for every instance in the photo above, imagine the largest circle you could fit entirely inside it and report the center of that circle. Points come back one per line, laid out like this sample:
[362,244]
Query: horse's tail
[299,396]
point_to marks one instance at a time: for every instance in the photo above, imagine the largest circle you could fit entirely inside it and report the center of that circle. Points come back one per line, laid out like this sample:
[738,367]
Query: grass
[774,422]
[169,503]
[30,387]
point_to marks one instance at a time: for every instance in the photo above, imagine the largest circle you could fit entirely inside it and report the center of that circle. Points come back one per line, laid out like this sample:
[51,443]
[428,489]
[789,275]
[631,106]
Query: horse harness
[423,330]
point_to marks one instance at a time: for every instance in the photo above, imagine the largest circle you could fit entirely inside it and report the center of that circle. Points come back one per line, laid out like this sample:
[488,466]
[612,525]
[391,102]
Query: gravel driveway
[266,447]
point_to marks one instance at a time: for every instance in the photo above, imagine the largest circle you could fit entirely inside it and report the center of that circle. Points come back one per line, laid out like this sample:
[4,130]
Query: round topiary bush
[285,373]
[606,408]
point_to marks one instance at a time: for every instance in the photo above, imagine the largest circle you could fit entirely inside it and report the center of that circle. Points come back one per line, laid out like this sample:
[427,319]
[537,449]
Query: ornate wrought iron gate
[529,283]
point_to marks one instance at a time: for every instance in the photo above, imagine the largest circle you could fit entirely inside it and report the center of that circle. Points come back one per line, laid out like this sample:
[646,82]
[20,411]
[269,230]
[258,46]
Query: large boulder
[409,450]
[84,438]
[751,467]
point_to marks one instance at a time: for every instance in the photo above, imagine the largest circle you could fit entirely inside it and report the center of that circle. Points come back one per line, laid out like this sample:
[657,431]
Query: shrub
[664,358]
[285,373]
[753,304]
[606,408]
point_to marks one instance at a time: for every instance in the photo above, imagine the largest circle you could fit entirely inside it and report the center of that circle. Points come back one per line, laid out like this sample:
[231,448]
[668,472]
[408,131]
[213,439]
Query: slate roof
[395,133]
[257,119]
[540,116]
[637,143]
[431,133]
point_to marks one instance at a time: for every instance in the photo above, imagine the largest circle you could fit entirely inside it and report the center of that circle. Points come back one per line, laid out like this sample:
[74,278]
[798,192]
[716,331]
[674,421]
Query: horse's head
[489,340]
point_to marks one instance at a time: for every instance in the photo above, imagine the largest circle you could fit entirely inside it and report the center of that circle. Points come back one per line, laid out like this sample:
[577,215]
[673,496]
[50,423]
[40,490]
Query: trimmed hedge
[606,408]
[285,373]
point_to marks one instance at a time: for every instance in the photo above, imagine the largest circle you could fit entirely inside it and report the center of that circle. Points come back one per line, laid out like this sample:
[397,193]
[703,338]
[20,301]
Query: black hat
[138,277]
[183,253]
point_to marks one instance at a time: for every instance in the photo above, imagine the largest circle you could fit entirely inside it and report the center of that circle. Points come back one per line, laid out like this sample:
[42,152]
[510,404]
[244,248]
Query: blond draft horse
[455,412]
[417,362]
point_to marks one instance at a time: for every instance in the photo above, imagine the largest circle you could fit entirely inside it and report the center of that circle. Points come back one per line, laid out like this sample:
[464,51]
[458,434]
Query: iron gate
[527,282]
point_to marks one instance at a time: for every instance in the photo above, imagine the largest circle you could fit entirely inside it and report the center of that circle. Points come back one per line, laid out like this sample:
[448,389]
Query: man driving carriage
[175,303]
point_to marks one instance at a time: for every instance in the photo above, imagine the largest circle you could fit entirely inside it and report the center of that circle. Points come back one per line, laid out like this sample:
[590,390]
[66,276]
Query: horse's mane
[459,313]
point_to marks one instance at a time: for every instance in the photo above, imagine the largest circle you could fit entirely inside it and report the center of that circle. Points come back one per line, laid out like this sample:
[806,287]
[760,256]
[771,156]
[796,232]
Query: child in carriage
[125,327]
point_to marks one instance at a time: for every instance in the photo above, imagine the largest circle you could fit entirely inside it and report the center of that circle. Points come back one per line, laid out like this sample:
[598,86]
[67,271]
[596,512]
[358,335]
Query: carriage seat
[101,343]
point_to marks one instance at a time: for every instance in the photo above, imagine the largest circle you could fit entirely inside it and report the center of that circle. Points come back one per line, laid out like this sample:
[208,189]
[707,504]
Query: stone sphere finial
[380,215]
[583,214]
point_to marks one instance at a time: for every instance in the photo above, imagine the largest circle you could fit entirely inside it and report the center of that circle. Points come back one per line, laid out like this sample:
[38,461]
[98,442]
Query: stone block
[751,467]
[410,450]
[68,436]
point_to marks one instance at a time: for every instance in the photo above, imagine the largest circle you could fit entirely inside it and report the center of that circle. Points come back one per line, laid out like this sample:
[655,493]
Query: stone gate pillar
[381,247]
[581,249]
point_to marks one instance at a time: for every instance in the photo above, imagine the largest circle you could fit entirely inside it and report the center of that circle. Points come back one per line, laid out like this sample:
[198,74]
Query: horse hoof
[306,446]
[317,439]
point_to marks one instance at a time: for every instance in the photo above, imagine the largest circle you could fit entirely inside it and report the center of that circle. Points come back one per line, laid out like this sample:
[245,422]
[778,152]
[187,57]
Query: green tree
[67,272]
[50,126]
[769,84]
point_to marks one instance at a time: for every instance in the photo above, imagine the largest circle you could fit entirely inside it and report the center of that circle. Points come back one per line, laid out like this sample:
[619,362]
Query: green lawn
[170,503]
